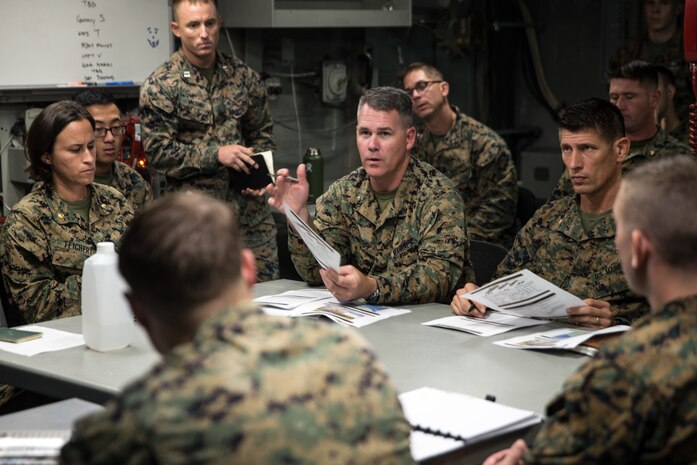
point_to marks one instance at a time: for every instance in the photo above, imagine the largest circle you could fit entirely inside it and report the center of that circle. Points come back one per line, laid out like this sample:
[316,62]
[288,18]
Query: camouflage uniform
[132,185]
[417,249]
[253,389]
[660,145]
[671,56]
[635,402]
[554,245]
[43,246]
[185,120]
[478,162]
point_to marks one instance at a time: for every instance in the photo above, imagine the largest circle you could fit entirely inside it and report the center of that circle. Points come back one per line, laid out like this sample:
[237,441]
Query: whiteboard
[54,43]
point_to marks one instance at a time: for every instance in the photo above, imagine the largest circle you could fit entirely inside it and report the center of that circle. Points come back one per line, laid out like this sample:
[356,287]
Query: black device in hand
[259,177]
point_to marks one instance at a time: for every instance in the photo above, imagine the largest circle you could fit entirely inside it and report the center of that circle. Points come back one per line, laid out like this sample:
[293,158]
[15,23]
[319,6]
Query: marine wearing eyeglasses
[472,155]
[108,133]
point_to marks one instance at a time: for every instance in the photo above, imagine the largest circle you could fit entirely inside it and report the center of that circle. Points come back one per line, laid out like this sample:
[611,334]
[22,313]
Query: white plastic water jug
[107,321]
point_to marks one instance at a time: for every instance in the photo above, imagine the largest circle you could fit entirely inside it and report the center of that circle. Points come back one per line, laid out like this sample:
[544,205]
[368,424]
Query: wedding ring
[597,320]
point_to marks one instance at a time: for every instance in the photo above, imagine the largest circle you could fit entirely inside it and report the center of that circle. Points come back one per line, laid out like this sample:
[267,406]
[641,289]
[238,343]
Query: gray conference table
[414,356]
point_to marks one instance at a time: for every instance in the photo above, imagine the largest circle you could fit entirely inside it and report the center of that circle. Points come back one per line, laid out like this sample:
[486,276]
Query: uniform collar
[367,205]
[99,203]
[570,224]
[449,140]
[190,74]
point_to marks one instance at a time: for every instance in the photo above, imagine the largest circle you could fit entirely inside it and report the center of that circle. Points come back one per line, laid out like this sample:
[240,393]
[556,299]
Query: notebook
[258,178]
[461,417]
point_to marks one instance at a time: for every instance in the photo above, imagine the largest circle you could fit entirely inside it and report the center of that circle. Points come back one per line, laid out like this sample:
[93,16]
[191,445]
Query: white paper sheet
[31,445]
[564,338]
[325,254]
[307,302]
[493,323]
[291,299]
[525,294]
[52,340]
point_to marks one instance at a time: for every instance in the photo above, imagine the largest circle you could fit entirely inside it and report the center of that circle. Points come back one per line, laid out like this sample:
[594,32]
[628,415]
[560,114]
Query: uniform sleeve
[142,193]
[160,128]
[29,277]
[106,438]
[257,123]
[603,415]
[521,254]
[498,190]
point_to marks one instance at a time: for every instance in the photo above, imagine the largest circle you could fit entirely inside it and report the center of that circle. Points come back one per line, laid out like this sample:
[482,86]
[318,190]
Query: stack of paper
[565,338]
[290,300]
[493,323]
[458,417]
[32,447]
[309,302]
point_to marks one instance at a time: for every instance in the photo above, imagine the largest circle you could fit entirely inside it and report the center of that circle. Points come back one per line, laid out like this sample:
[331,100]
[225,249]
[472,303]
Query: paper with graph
[525,294]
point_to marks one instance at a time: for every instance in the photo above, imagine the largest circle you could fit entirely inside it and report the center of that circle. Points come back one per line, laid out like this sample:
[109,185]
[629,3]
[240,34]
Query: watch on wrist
[374,297]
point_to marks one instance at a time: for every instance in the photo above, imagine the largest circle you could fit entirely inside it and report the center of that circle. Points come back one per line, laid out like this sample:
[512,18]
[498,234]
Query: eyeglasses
[420,87]
[115,131]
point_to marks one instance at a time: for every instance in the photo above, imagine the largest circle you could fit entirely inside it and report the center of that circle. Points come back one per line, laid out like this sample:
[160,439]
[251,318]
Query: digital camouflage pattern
[185,120]
[478,162]
[670,55]
[43,246]
[253,389]
[554,245]
[634,403]
[417,249]
[132,185]
[661,145]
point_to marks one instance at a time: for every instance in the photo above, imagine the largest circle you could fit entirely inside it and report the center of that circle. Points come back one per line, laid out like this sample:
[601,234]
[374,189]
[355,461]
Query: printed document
[320,302]
[525,294]
[493,323]
[325,254]
[564,338]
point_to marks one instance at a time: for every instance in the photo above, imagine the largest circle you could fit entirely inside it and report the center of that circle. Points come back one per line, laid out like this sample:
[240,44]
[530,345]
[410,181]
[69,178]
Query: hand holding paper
[348,283]
[324,253]
[525,294]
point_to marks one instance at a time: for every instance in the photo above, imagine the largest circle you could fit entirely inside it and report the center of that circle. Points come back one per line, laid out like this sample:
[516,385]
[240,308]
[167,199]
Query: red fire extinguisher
[132,148]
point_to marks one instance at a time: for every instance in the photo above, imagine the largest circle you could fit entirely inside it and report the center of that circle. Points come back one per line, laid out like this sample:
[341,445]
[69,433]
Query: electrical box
[315,13]
[334,82]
